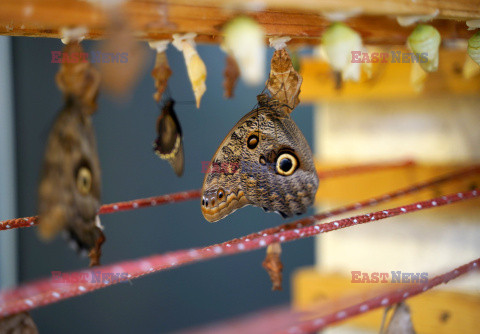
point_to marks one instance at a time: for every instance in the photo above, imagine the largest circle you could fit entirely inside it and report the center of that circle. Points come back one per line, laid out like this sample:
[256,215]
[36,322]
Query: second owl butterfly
[70,185]
[263,161]
[169,143]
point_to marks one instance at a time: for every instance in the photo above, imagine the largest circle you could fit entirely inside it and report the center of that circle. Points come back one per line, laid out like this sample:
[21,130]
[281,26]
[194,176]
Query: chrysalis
[474,47]
[338,42]
[20,323]
[284,82]
[121,56]
[230,75]
[244,39]
[273,265]
[425,40]
[197,72]
[69,190]
[161,72]
[169,143]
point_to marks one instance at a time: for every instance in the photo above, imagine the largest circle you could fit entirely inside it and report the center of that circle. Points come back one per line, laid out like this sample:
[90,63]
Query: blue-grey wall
[166,301]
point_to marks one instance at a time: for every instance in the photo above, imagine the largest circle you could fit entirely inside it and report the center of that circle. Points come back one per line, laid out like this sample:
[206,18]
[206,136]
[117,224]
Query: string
[46,291]
[194,194]
[285,320]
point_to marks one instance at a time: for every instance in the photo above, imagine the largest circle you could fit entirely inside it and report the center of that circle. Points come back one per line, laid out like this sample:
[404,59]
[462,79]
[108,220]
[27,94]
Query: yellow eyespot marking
[84,180]
[286,164]
[252,140]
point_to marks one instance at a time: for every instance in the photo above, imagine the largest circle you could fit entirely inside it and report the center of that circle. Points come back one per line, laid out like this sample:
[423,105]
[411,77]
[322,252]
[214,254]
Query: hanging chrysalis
[244,39]
[273,265]
[69,190]
[161,72]
[121,57]
[474,47]
[231,74]
[197,72]
[470,68]
[169,143]
[401,321]
[284,82]
[425,42]
[20,323]
[338,43]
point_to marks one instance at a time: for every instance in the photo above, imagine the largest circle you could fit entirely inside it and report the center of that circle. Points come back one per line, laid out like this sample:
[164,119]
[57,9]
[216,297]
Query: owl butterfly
[69,190]
[169,143]
[263,161]
[20,323]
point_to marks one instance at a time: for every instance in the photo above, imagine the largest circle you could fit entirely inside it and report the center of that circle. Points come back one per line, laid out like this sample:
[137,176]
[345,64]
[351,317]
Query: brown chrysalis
[69,191]
[123,58]
[273,265]
[20,323]
[160,73]
[231,74]
[284,82]
[169,144]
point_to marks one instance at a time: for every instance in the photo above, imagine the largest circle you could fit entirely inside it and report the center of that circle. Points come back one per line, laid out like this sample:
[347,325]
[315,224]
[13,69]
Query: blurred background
[387,115]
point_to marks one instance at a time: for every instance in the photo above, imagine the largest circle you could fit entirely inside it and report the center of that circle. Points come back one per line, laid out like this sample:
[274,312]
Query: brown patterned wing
[69,191]
[264,161]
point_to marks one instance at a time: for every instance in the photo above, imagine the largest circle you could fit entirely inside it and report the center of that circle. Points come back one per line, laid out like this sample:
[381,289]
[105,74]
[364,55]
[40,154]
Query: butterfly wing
[264,161]
[69,191]
[279,174]
[222,191]
[169,143]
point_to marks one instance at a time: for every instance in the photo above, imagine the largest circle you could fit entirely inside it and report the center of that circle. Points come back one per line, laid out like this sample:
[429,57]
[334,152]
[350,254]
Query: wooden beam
[433,312]
[446,8]
[302,20]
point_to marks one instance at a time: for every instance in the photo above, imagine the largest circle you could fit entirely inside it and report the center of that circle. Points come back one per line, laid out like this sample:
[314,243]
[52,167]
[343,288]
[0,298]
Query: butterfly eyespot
[262,160]
[220,193]
[84,180]
[252,141]
[286,164]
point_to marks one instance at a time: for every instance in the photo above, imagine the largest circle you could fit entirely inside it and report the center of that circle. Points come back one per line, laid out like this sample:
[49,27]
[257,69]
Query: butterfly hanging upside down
[70,185]
[273,166]
[169,144]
